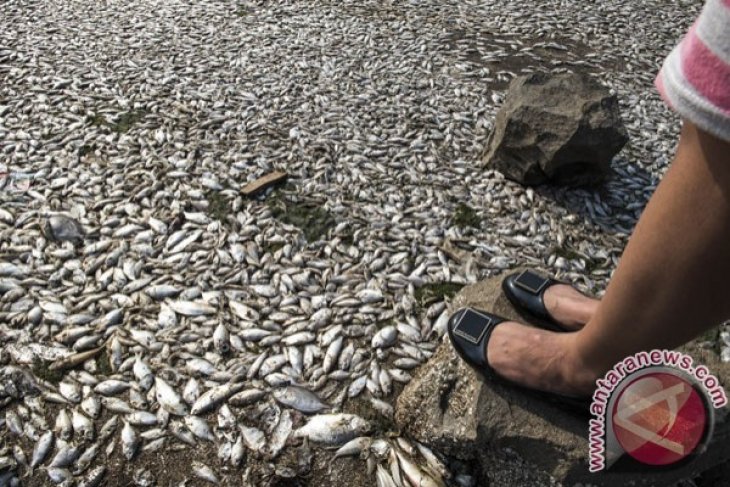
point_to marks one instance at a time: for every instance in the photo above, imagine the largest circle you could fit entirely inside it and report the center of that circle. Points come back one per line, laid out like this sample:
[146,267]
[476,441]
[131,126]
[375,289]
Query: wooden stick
[264,182]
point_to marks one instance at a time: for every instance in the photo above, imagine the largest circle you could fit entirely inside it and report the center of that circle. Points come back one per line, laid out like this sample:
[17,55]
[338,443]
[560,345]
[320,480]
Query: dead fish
[141,418]
[385,337]
[199,366]
[199,427]
[82,425]
[73,333]
[63,426]
[59,475]
[70,390]
[214,396]
[333,428]
[357,386]
[75,359]
[41,449]
[116,405]
[383,478]
[83,462]
[432,461]
[91,405]
[111,387]
[369,296]
[300,399]
[380,448]
[143,373]
[65,456]
[191,391]
[244,398]
[243,311]
[162,291]
[221,339]
[130,441]
[94,477]
[63,228]
[321,318]
[191,308]
[354,447]
[237,452]
[204,472]
[253,438]
[280,434]
[382,407]
[332,354]
[8,269]
[108,428]
[168,398]
[414,474]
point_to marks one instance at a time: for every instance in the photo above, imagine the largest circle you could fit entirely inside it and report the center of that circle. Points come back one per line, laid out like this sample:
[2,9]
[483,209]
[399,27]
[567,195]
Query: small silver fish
[168,398]
[253,438]
[300,399]
[333,429]
[204,472]
[41,449]
[130,441]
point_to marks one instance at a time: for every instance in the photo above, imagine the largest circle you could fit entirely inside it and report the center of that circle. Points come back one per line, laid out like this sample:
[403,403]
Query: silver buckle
[529,288]
[468,337]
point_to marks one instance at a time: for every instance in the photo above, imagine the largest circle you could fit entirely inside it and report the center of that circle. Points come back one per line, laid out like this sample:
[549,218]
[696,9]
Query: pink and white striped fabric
[695,77]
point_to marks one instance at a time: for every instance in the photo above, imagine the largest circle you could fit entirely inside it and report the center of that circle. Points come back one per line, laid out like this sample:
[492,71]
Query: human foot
[539,359]
[569,307]
[548,303]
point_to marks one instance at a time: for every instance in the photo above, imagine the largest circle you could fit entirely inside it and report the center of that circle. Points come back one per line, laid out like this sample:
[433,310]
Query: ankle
[580,371]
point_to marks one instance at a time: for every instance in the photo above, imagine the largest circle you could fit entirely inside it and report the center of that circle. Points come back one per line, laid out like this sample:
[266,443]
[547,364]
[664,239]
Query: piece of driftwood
[264,182]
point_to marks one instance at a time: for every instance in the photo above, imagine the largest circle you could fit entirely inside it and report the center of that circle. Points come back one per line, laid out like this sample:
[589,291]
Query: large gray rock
[561,128]
[449,407]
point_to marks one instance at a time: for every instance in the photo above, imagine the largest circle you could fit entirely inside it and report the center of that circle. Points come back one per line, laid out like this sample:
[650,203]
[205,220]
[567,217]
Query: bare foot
[539,359]
[568,306]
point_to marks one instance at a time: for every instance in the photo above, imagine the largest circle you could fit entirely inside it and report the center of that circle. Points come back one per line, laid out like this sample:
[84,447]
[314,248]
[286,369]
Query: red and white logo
[659,418]
[656,408]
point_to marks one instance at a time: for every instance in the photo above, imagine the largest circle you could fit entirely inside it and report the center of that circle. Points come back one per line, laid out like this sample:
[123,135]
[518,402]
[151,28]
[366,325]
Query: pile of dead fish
[399,463]
[147,308]
[166,365]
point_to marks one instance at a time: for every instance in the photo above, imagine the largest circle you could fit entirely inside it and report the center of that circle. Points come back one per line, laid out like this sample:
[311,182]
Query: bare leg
[673,281]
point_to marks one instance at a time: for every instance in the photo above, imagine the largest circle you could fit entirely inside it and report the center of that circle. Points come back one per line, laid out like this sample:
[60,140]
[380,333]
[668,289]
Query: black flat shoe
[526,292]
[469,331]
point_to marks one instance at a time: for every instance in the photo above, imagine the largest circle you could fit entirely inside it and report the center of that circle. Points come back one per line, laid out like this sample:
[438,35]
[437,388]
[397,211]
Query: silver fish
[355,446]
[130,441]
[300,399]
[191,308]
[221,339]
[253,438]
[199,427]
[94,477]
[168,398]
[214,396]
[385,337]
[41,449]
[204,472]
[280,434]
[333,429]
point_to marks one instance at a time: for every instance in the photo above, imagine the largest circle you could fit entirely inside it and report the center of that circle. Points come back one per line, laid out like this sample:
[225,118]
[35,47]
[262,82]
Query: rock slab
[448,407]
[562,128]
